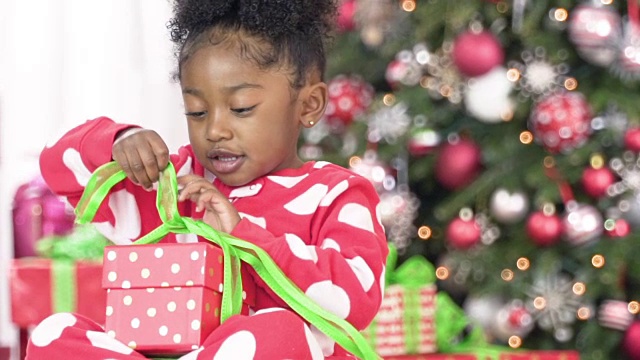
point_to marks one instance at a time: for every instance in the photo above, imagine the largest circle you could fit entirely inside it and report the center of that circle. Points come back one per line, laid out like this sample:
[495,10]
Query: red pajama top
[320,223]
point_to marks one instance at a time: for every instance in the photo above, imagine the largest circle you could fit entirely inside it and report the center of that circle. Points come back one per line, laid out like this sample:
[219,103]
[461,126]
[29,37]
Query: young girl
[251,76]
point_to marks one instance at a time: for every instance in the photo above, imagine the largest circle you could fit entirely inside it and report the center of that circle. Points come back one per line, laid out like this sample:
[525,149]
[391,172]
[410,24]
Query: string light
[442,273]
[507,275]
[408,5]
[584,313]
[354,161]
[570,84]
[596,161]
[579,288]
[561,14]
[523,263]
[424,232]
[515,342]
[513,74]
[526,137]
[634,307]
[389,99]
[597,261]
[539,303]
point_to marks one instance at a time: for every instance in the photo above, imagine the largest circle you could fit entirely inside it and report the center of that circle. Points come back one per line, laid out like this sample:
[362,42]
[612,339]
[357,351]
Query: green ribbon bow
[84,242]
[450,320]
[234,251]
[414,273]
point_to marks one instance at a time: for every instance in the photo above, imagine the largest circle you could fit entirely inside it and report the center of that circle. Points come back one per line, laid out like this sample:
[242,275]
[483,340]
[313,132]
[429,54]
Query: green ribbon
[415,272]
[63,286]
[450,320]
[234,249]
[83,243]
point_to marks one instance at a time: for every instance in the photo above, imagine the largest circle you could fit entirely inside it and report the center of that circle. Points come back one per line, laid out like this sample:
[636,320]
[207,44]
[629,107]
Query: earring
[311,123]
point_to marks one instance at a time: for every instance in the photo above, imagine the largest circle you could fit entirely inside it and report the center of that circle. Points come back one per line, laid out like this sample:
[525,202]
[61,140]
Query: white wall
[65,61]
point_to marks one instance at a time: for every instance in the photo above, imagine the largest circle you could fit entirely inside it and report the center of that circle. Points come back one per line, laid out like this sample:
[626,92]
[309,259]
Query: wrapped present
[165,299]
[433,357]
[405,322]
[177,292]
[508,355]
[541,355]
[41,287]
[65,279]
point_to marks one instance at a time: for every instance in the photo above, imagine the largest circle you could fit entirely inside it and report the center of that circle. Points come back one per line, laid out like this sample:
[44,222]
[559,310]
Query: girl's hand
[142,154]
[219,213]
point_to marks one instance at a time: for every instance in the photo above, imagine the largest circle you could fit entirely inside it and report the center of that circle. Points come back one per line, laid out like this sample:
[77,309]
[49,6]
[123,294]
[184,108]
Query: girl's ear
[314,102]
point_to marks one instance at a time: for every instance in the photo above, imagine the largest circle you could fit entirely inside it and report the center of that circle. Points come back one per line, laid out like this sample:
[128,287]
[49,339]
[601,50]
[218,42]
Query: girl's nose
[218,128]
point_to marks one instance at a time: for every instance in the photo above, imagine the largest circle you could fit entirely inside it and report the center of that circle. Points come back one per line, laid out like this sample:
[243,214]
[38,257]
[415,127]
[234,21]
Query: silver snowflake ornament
[554,304]
[536,76]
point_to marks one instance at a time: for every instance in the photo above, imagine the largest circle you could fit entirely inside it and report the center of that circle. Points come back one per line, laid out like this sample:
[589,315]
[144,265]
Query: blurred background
[502,135]
[63,62]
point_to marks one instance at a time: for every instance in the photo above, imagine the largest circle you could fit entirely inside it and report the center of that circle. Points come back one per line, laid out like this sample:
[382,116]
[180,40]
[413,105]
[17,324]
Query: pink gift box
[164,299]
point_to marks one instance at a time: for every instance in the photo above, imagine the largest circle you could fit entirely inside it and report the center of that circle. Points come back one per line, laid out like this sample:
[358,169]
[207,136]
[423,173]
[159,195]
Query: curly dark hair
[295,32]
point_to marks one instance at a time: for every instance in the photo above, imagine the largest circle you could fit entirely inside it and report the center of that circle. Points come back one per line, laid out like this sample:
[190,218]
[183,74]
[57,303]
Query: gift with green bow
[65,277]
[405,323]
[232,253]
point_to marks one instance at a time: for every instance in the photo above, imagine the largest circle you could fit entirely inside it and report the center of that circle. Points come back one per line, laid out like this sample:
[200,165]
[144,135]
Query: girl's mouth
[224,162]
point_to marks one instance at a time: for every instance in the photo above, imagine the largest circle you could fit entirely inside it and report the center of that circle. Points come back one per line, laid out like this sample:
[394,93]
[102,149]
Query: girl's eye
[244,110]
[196,114]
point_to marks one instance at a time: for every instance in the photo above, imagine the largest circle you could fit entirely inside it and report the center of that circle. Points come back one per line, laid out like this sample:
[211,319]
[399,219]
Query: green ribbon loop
[234,249]
[414,273]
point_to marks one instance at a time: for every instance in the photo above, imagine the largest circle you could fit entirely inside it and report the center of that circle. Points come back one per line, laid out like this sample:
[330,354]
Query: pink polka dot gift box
[165,299]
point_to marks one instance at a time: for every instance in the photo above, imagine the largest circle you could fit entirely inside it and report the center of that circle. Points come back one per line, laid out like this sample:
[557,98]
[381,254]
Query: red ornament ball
[543,229]
[595,182]
[349,97]
[475,54]
[458,164]
[617,228]
[632,139]
[561,122]
[346,16]
[463,234]
[631,341]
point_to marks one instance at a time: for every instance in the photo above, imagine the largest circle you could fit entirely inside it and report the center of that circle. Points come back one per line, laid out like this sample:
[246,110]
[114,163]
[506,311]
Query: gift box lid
[163,265]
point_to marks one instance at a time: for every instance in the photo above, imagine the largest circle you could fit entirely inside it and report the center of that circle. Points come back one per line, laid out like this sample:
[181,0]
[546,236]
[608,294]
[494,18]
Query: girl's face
[243,121]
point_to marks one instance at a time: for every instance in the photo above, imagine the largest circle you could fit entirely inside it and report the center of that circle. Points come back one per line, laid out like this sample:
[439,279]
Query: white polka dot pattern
[334,193]
[72,160]
[51,328]
[174,301]
[300,249]
[330,244]
[104,341]
[260,221]
[314,346]
[239,346]
[363,272]
[307,202]
[357,216]
[287,181]
[326,343]
[331,297]
[127,219]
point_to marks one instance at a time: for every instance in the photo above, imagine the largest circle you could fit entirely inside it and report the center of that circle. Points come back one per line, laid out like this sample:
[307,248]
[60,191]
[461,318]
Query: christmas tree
[503,137]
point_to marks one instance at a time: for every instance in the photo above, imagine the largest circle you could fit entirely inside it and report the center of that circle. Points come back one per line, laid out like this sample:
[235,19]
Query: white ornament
[487,96]
[582,224]
[509,207]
